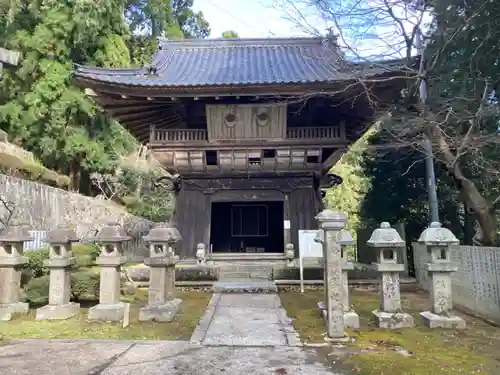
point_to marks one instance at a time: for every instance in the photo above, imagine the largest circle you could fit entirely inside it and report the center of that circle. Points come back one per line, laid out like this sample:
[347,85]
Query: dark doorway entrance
[247,227]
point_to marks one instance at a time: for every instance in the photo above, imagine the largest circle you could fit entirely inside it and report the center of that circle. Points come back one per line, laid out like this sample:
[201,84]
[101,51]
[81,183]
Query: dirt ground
[412,351]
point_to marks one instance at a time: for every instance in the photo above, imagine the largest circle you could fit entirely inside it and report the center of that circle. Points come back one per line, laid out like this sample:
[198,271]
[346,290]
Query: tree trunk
[479,205]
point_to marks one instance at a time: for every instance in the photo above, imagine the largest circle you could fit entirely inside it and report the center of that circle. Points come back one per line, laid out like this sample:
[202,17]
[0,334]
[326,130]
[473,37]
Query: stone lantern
[201,254]
[386,241]
[162,304]
[59,263]
[351,318]
[439,241]
[290,254]
[12,240]
[110,238]
[332,222]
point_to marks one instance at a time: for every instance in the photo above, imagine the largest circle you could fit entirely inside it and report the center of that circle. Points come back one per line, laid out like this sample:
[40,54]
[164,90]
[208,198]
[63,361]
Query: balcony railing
[200,136]
[181,135]
[319,132]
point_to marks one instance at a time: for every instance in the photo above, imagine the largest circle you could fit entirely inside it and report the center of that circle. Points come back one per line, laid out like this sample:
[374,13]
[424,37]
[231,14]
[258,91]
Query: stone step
[234,275]
[245,275]
[244,286]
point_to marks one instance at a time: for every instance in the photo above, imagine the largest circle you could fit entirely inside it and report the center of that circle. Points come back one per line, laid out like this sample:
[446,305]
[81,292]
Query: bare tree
[458,114]
[109,185]
[7,209]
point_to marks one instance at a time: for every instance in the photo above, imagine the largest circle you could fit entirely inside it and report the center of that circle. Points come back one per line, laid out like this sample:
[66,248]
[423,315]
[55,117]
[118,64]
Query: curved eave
[384,80]
[138,114]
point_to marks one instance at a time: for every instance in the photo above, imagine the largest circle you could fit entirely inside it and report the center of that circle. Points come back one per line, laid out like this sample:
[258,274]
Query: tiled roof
[225,62]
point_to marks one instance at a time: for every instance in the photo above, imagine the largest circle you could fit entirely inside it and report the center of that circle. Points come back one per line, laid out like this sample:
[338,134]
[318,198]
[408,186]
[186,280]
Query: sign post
[308,248]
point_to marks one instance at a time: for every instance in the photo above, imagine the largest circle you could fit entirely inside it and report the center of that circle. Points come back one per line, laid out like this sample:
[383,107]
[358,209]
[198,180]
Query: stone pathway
[245,320]
[239,334]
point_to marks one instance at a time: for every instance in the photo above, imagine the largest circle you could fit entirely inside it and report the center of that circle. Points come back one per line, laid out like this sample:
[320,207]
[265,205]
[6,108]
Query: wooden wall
[192,216]
[303,209]
[193,204]
[246,124]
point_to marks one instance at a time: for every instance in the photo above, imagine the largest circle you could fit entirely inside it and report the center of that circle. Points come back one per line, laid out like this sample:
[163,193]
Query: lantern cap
[436,235]
[15,233]
[163,232]
[385,236]
[61,235]
[331,216]
[111,233]
[346,238]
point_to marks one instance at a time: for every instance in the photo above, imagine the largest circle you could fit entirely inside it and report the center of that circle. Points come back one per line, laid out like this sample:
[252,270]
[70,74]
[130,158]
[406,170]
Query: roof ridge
[241,42]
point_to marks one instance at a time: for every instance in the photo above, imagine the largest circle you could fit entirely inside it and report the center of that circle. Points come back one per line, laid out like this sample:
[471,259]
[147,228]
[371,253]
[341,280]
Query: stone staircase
[247,266]
[246,271]
[244,286]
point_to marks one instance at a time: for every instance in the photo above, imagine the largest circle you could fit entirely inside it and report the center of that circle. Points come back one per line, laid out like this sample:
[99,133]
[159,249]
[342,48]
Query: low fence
[135,249]
[475,285]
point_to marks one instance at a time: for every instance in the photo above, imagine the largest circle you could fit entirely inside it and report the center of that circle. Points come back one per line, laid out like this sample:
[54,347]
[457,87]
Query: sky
[266,18]
[249,18]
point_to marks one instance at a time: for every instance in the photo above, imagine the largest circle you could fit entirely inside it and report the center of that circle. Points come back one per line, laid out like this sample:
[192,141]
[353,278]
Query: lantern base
[432,320]
[351,318]
[107,313]
[165,312]
[58,312]
[389,320]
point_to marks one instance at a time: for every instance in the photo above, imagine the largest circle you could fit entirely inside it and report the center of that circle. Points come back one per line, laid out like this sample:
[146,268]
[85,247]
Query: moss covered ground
[412,351]
[193,307]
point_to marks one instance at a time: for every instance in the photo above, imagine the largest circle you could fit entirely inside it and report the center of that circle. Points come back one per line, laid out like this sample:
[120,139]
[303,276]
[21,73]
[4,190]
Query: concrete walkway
[245,320]
[239,334]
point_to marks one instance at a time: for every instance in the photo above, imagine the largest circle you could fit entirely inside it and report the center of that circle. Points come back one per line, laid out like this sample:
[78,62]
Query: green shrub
[197,274]
[36,290]
[85,285]
[85,254]
[35,265]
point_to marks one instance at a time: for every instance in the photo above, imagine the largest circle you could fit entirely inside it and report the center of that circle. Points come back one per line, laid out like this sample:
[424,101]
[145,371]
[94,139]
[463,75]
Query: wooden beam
[346,89]
[136,108]
[254,145]
[332,159]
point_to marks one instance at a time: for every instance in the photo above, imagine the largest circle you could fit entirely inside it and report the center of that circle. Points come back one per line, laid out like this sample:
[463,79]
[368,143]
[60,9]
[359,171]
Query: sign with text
[308,250]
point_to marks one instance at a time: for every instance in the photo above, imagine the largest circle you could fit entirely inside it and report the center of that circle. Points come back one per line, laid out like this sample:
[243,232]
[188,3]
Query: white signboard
[286,224]
[308,248]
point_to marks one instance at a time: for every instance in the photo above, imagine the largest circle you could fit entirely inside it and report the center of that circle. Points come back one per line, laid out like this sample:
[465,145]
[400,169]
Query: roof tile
[230,62]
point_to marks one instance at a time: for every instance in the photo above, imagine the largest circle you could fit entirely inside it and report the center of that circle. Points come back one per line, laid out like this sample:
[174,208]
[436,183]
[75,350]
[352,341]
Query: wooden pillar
[286,223]
[152,133]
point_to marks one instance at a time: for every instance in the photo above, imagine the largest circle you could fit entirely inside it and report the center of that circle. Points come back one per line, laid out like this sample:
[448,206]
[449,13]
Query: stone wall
[43,207]
[476,284]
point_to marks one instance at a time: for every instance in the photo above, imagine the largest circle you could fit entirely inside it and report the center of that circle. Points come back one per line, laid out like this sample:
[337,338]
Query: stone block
[432,320]
[389,267]
[165,312]
[5,314]
[58,312]
[107,313]
[351,320]
[393,320]
[17,307]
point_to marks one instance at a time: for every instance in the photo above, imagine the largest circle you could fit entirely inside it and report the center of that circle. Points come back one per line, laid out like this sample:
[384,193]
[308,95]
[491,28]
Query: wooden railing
[292,134]
[320,132]
[181,135]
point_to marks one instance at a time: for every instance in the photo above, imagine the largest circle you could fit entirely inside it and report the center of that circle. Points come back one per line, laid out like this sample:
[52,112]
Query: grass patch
[181,328]
[436,351]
